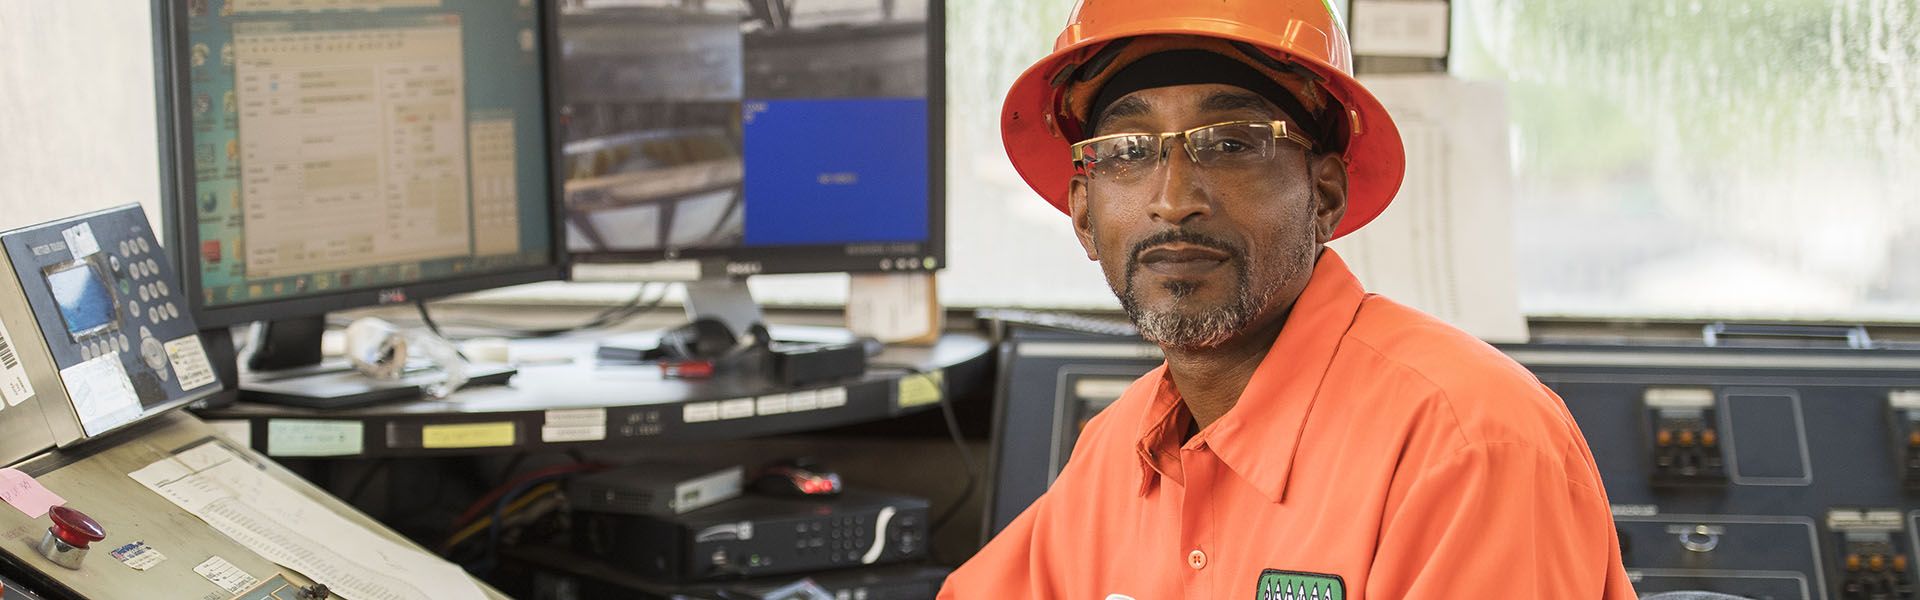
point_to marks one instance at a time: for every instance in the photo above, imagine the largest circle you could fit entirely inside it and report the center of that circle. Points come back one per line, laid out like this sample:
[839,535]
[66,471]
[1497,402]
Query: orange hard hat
[1038,125]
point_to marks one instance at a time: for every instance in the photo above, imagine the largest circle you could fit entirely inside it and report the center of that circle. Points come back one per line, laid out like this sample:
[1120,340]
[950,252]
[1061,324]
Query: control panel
[1765,473]
[93,332]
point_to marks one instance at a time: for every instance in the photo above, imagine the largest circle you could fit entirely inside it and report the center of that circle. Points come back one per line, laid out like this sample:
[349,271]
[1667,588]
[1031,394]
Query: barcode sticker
[14,387]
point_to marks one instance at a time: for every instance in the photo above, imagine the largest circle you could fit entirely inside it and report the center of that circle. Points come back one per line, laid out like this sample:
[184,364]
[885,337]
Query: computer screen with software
[331,154]
[788,136]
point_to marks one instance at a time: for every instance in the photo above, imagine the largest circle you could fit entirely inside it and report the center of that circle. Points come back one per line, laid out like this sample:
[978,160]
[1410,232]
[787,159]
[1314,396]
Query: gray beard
[1208,328]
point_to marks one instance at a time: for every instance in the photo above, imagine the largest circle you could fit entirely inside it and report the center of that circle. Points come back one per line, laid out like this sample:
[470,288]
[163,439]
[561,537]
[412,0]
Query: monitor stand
[284,365]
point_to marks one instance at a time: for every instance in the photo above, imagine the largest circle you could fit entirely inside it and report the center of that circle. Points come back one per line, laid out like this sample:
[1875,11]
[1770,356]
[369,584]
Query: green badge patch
[1293,585]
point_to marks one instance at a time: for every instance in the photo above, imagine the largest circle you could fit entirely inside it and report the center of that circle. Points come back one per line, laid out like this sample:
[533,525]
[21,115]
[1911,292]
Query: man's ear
[1330,195]
[1082,214]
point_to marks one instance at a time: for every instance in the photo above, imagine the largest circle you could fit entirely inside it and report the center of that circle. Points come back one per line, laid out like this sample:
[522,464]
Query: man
[1304,439]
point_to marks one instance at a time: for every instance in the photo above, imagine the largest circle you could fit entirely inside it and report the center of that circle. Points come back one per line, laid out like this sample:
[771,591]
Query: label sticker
[921,389]
[736,409]
[190,362]
[803,400]
[80,240]
[225,575]
[700,412]
[306,437]
[102,394]
[467,435]
[575,425]
[25,493]
[833,397]
[14,387]
[138,555]
[772,405]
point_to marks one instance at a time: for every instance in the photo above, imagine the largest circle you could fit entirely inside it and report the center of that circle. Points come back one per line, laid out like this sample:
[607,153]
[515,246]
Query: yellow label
[916,390]
[467,435]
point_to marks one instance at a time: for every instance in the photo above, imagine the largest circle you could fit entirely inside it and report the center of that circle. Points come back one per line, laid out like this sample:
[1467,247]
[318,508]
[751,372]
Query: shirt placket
[1198,542]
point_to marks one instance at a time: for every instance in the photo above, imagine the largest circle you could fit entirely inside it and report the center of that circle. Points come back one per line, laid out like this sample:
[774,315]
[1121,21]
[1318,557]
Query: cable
[515,507]
[474,510]
[959,445]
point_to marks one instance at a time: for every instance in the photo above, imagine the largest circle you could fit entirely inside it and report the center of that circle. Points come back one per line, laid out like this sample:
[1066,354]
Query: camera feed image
[682,119]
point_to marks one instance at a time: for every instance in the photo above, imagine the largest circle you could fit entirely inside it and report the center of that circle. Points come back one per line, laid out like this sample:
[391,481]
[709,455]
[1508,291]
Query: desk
[555,407]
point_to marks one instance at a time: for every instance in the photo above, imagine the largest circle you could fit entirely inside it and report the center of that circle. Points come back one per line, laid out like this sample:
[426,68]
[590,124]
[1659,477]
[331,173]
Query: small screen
[85,301]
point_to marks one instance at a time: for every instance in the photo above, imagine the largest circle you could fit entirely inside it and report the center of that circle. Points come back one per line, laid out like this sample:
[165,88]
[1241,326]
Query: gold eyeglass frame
[1280,131]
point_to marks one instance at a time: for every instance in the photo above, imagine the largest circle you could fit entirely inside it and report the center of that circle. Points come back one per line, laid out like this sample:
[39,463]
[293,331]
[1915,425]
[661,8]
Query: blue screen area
[85,302]
[815,173]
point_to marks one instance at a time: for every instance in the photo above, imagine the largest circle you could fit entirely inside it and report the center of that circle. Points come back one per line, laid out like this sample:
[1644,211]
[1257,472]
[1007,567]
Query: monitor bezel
[173,83]
[832,258]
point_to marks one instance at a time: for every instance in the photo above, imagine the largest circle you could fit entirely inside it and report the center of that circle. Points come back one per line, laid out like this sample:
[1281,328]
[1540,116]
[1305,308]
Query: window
[1709,158]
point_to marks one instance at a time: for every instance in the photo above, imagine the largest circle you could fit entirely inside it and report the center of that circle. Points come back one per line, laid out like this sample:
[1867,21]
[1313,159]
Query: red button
[1197,560]
[75,527]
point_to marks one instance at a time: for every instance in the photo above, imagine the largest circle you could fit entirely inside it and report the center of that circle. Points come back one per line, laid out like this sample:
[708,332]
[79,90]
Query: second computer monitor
[330,154]
[775,136]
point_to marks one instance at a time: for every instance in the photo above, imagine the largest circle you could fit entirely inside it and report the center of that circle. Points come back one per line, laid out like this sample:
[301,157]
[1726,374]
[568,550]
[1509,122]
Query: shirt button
[1197,560]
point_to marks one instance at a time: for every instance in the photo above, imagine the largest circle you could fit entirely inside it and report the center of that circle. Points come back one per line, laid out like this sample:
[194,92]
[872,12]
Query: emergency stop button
[67,540]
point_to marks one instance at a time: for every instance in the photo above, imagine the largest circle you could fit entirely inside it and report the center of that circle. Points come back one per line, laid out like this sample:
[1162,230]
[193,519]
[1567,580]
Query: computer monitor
[334,154]
[770,136]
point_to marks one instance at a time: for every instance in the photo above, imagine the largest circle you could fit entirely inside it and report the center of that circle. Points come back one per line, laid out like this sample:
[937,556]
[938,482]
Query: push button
[67,540]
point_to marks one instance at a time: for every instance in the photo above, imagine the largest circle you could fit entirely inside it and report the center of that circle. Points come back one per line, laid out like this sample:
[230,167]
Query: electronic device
[796,479]
[382,153]
[94,332]
[1763,472]
[777,138]
[656,488]
[757,535]
[890,582]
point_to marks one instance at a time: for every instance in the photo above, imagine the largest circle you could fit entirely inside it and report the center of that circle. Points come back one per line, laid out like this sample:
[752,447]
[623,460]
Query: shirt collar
[1258,437]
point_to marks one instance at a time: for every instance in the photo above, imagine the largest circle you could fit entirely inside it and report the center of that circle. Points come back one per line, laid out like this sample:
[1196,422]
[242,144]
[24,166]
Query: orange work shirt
[1376,453]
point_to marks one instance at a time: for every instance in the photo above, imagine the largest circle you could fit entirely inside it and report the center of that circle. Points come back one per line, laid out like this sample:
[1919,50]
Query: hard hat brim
[1375,157]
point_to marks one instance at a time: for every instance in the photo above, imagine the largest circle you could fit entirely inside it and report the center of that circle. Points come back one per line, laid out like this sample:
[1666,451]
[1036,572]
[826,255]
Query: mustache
[1181,236]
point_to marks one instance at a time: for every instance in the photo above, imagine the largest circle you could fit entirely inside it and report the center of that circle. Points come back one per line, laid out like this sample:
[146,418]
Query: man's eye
[1131,154]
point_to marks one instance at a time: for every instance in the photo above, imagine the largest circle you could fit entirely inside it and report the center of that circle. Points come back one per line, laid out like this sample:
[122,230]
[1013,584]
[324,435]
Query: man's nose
[1183,195]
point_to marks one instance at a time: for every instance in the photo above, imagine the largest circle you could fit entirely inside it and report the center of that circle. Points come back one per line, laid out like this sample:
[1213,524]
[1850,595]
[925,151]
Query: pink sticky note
[23,492]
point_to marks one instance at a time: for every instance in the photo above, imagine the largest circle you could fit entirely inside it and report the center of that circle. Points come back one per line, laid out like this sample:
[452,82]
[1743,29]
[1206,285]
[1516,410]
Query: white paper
[190,362]
[80,240]
[1432,249]
[225,575]
[276,521]
[892,307]
[1409,28]
[103,396]
[14,386]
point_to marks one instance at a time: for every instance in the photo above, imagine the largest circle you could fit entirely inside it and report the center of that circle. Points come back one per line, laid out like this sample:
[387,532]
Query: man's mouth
[1180,259]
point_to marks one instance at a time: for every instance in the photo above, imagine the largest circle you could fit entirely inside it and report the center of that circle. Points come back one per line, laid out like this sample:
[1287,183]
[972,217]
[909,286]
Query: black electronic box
[758,535]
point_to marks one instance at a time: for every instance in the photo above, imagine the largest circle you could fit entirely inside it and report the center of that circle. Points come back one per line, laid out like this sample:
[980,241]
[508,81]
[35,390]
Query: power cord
[959,446]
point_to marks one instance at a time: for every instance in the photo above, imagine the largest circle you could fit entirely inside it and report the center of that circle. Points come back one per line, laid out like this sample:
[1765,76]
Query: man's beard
[1207,327]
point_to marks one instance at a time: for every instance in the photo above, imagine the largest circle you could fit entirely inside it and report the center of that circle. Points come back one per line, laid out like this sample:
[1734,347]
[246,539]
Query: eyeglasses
[1235,146]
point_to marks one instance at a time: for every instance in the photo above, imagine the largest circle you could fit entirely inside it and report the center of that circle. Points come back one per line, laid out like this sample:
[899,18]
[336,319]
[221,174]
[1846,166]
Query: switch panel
[1903,414]
[1683,425]
[1872,550]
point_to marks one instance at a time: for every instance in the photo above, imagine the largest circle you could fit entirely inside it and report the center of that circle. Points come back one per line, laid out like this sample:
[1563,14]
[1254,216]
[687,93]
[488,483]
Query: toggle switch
[67,540]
